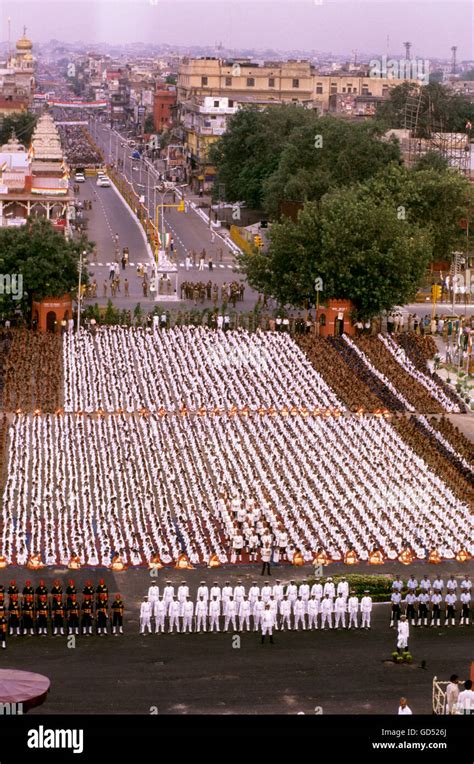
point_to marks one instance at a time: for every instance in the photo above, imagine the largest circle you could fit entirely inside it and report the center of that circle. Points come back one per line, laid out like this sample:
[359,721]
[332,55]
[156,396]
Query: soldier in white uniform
[317,590]
[215,591]
[340,611]
[466,585]
[266,593]
[397,584]
[410,601]
[303,592]
[353,608]
[423,600]
[203,591]
[451,585]
[299,613]
[159,611]
[227,592]
[258,609]
[438,584]
[168,593]
[436,599]
[343,589]
[267,624]
[183,594]
[153,594]
[214,613]
[450,601]
[201,614]
[366,609]
[329,588]
[254,592]
[292,592]
[285,614]
[465,608]
[313,612]
[174,614]
[403,634]
[244,614]
[239,592]
[395,599]
[425,584]
[188,613]
[277,590]
[412,584]
[326,611]
[274,608]
[145,616]
[230,613]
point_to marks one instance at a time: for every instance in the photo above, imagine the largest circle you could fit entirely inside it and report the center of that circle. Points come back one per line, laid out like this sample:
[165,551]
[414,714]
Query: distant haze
[432,26]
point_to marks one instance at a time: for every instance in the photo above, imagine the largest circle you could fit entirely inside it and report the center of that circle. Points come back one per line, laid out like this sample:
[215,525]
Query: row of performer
[429,606]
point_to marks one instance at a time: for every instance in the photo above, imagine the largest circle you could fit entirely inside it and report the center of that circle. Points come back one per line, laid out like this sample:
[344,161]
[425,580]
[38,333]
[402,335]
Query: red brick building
[163,108]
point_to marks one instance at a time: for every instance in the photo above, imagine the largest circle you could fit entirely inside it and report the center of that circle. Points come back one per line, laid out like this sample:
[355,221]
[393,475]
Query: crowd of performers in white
[293,607]
[217,446]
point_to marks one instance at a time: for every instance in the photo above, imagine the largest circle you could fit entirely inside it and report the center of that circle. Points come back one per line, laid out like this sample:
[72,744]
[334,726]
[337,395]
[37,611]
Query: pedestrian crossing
[216,265]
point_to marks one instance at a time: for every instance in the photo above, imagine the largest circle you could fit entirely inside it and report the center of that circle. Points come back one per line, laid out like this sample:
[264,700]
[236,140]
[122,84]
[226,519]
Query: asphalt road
[335,671]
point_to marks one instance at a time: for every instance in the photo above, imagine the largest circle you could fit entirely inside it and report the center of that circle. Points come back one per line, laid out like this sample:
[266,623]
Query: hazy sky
[340,26]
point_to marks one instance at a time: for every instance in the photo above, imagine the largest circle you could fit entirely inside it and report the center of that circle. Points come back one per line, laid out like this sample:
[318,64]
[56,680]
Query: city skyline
[333,27]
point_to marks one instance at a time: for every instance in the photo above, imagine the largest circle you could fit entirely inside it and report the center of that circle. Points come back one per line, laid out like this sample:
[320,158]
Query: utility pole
[79,295]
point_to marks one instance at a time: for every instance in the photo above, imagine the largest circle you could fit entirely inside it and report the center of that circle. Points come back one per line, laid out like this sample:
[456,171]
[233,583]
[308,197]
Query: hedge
[380,587]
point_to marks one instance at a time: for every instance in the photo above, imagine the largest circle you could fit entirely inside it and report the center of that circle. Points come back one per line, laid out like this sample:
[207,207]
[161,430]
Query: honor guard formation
[266,608]
[426,602]
[37,611]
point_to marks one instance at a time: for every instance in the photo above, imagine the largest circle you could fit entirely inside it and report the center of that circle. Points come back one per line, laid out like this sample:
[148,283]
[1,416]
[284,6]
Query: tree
[22,124]
[323,155]
[439,108]
[432,160]
[47,262]
[249,150]
[149,126]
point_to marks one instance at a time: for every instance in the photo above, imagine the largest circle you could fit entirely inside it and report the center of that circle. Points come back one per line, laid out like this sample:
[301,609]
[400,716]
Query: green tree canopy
[47,262]
[22,123]
[440,108]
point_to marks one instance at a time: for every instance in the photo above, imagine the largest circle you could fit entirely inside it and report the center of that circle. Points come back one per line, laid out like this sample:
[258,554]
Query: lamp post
[79,295]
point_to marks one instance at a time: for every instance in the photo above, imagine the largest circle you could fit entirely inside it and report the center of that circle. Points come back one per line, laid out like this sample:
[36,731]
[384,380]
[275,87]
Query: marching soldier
[268,623]
[436,610]
[403,634]
[86,608]
[28,614]
[57,614]
[412,584]
[465,608]
[42,614]
[395,598]
[450,601]
[423,599]
[72,613]
[410,611]
[14,614]
[101,612]
[466,585]
[3,627]
[71,592]
[117,615]
[40,591]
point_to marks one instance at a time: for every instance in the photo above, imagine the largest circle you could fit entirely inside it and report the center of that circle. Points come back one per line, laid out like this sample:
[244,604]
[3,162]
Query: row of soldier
[289,607]
[34,610]
[418,612]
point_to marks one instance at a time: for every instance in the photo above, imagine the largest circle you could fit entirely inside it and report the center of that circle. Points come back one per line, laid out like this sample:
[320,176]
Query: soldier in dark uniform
[42,615]
[86,608]
[70,591]
[73,615]
[88,590]
[57,589]
[14,614]
[102,588]
[101,615]
[57,614]
[3,627]
[117,618]
[13,588]
[28,590]
[2,596]
[40,591]
[28,614]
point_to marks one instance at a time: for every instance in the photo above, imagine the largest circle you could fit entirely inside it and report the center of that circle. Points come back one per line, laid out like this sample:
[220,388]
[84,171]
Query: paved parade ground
[330,672]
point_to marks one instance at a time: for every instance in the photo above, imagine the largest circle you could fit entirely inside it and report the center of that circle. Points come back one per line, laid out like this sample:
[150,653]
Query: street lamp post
[79,295]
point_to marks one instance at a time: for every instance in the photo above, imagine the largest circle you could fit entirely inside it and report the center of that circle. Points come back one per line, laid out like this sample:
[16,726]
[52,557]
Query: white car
[79,177]
[103,181]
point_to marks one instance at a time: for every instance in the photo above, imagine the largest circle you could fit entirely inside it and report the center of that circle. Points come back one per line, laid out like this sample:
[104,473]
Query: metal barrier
[439,697]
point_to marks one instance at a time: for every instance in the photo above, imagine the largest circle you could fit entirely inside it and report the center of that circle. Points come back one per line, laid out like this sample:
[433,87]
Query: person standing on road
[403,634]
[145,616]
[366,609]
[267,624]
[266,555]
[210,263]
[201,263]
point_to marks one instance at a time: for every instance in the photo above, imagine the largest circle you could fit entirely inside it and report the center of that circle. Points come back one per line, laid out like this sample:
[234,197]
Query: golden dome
[27,57]
[24,43]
